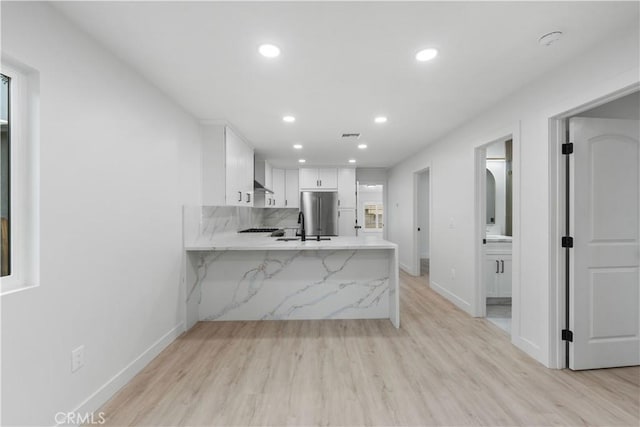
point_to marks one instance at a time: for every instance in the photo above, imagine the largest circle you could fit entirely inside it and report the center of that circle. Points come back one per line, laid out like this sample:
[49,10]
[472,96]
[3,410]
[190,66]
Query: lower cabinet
[498,275]
[346,222]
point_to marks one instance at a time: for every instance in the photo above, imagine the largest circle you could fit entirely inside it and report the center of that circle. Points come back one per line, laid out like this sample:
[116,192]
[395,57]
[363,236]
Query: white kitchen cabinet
[308,178]
[268,175]
[347,188]
[346,222]
[278,187]
[498,270]
[284,184]
[227,168]
[328,178]
[318,178]
[292,188]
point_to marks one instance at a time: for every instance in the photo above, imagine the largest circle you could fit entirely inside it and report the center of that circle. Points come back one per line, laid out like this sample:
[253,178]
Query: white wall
[611,66]
[625,108]
[118,159]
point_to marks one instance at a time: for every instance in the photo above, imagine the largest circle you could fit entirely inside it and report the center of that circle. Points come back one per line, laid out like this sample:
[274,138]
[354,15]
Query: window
[19,205]
[5,165]
[373,216]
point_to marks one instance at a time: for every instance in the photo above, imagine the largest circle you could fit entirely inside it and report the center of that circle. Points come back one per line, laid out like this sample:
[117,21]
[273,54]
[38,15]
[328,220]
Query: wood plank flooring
[441,368]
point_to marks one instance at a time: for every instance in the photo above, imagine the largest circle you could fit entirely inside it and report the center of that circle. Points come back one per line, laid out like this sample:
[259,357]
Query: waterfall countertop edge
[263,241]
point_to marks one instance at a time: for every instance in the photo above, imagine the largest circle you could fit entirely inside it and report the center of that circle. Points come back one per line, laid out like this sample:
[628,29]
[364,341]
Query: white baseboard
[531,348]
[456,300]
[119,380]
[406,269]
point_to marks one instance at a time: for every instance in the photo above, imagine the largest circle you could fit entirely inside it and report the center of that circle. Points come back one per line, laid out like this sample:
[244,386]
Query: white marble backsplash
[279,217]
[204,222]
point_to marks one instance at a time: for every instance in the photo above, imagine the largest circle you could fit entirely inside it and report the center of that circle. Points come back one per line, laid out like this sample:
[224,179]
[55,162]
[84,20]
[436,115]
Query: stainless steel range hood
[258,177]
[259,188]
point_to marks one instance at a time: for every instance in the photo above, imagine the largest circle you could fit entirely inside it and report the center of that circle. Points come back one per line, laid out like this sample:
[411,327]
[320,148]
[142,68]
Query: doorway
[600,229]
[370,214]
[422,188]
[422,222]
[498,238]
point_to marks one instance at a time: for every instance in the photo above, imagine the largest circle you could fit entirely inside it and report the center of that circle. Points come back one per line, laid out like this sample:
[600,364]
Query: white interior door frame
[557,171]
[480,160]
[416,219]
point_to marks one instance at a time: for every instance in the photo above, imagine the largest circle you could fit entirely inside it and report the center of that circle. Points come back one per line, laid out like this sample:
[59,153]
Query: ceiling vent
[350,135]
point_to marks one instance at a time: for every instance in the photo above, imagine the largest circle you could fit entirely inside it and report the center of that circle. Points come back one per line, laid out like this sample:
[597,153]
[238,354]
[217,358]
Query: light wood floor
[441,368]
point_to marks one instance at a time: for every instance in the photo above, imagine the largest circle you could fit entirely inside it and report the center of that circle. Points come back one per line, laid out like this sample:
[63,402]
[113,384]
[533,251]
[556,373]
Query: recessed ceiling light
[380,119]
[289,119]
[362,146]
[352,160]
[426,55]
[550,38]
[301,161]
[297,146]
[269,50]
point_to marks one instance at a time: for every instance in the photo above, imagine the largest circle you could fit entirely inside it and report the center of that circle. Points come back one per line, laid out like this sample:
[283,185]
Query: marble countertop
[263,241]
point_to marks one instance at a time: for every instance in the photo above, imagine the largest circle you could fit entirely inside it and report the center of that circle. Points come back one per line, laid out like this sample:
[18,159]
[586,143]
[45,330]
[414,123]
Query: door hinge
[567,242]
[567,148]
[567,335]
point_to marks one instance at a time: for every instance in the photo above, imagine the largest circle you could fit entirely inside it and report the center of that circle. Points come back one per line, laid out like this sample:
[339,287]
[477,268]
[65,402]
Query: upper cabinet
[318,179]
[347,188]
[278,187]
[292,188]
[227,168]
[286,193]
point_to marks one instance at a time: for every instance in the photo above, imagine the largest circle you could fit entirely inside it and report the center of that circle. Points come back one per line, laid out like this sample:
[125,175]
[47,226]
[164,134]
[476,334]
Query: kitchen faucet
[303,233]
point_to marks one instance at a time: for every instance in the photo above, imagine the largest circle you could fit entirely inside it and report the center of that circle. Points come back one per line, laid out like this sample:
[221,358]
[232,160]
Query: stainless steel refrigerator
[320,210]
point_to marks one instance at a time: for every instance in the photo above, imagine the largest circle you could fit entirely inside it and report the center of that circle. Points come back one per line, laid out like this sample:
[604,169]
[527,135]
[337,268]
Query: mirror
[491,198]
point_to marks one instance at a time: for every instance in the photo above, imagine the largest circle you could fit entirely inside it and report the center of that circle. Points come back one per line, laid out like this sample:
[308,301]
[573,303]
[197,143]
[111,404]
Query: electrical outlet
[453,273]
[77,358]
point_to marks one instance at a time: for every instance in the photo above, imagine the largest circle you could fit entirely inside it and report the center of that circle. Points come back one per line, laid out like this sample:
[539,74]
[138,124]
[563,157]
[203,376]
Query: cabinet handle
[239,196]
[338,202]
[320,183]
[286,202]
[502,262]
[497,267]
[248,197]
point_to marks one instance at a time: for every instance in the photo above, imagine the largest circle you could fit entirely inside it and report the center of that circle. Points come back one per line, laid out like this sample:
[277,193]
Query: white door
[491,271]
[292,189]
[346,222]
[246,173]
[278,188]
[346,188]
[604,285]
[233,156]
[504,278]
[328,177]
[309,178]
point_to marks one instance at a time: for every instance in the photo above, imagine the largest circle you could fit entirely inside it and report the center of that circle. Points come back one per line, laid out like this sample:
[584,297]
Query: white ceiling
[344,63]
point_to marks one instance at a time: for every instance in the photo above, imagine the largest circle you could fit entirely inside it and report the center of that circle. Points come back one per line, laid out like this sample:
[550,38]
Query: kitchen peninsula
[232,276]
